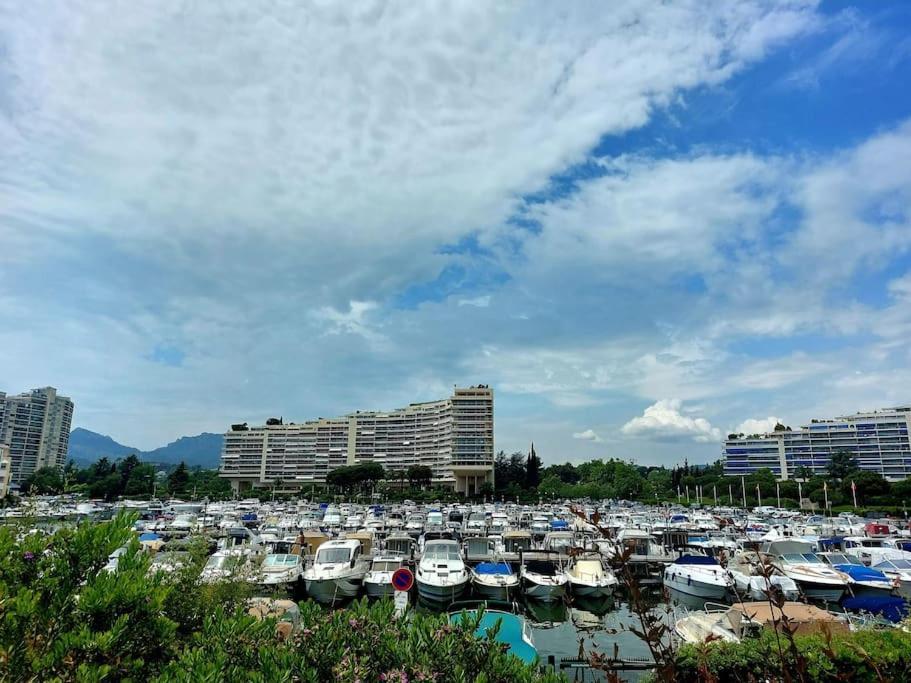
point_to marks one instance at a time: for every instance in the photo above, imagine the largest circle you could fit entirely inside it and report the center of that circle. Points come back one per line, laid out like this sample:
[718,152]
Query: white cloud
[587,435]
[663,420]
[478,301]
[761,426]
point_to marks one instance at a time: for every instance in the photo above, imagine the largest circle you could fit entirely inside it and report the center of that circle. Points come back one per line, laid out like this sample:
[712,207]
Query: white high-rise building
[452,436]
[878,441]
[36,428]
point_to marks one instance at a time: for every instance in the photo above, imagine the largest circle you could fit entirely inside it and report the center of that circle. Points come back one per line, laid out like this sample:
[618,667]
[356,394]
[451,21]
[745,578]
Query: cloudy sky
[643,224]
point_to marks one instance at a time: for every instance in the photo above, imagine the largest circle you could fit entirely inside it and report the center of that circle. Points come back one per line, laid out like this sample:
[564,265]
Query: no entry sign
[402,579]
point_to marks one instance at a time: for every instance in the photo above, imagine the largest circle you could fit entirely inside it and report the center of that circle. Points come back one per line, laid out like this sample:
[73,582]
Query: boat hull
[377,589]
[690,586]
[545,592]
[441,593]
[331,589]
[591,590]
[501,590]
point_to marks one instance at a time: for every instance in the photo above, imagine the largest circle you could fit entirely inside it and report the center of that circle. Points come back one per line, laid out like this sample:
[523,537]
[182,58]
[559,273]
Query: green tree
[46,480]
[420,476]
[868,484]
[841,465]
[178,479]
[532,469]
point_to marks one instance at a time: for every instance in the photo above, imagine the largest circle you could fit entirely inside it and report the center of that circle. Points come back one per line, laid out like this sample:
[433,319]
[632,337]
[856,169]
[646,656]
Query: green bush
[861,656]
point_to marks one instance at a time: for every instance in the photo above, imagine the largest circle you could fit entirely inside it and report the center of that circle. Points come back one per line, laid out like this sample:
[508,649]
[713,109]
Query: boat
[588,577]
[378,581]
[862,580]
[337,571]
[698,575]
[280,570]
[801,618]
[543,578]
[900,572]
[815,579]
[225,564]
[510,629]
[755,581]
[442,576]
[715,623]
[494,580]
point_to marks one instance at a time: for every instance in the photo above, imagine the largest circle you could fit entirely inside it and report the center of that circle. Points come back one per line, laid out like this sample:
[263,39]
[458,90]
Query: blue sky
[644,227]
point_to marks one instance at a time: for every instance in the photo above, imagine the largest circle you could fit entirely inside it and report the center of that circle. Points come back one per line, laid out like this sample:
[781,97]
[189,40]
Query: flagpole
[731,495]
[743,485]
[825,493]
[854,492]
[758,496]
[778,493]
[715,493]
[687,493]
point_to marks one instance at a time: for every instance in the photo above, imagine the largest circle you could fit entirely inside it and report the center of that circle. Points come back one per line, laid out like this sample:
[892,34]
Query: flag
[854,492]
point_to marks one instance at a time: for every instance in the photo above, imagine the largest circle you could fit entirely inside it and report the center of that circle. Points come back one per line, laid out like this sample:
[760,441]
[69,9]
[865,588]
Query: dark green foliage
[419,475]
[841,465]
[178,479]
[42,481]
[859,657]
[356,477]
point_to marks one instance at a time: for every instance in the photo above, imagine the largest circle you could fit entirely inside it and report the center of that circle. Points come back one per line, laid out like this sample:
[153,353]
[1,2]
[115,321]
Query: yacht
[815,579]
[700,576]
[588,577]
[715,623]
[225,564]
[543,579]
[338,571]
[862,580]
[900,573]
[754,581]
[494,580]
[280,570]
[442,575]
[378,581]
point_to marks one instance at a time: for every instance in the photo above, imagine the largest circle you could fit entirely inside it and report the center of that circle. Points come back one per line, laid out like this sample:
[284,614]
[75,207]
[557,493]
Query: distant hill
[203,450]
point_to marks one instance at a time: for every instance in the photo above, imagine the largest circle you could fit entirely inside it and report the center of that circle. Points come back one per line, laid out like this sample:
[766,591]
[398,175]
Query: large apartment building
[36,428]
[452,436]
[877,440]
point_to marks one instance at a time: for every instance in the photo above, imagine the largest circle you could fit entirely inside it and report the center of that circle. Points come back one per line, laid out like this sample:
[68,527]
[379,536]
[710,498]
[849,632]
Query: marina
[557,575]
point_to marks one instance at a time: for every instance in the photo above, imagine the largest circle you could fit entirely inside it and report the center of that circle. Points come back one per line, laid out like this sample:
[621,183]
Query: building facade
[36,428]
[5,470]
[878,441]
[452,436]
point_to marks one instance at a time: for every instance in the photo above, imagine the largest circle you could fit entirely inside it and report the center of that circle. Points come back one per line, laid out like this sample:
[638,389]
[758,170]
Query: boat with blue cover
[862,580]
[494,580]
[698,575]
[508,626]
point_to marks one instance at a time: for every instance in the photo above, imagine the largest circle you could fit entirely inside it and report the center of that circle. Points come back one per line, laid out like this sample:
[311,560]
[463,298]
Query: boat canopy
[492,568]
[696,559]
[892,608]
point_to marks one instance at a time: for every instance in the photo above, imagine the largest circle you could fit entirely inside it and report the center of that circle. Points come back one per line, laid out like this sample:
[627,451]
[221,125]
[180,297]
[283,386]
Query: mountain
[203,450]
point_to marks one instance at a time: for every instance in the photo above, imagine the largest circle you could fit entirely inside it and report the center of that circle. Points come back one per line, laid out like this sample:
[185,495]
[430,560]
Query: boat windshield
[281,560]
[801,558]
[226,562]
[845,559]
[442,551]
[385,565]
[896,564]
[332,555]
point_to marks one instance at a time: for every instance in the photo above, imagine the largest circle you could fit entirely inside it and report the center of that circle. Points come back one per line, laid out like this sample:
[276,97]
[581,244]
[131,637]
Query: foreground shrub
[860,657]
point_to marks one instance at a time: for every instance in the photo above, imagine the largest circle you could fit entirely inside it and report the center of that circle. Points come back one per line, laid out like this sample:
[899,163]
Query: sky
[645,225]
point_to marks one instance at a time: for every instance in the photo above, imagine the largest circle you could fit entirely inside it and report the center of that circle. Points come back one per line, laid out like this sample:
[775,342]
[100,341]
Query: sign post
[402,581]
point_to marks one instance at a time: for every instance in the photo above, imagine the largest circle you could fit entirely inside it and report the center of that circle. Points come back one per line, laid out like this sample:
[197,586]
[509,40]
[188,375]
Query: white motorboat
[442,576]
[863,581]
[543,579]
[716,623]
[494,580]
[378,581]
[698,575]
[754,581]
[590,578]
[900,572]
[280,570]
[225,564]
[815,579]
[337,571]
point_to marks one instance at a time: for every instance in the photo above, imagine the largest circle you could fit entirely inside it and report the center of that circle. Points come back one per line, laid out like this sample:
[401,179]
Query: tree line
[126,477]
